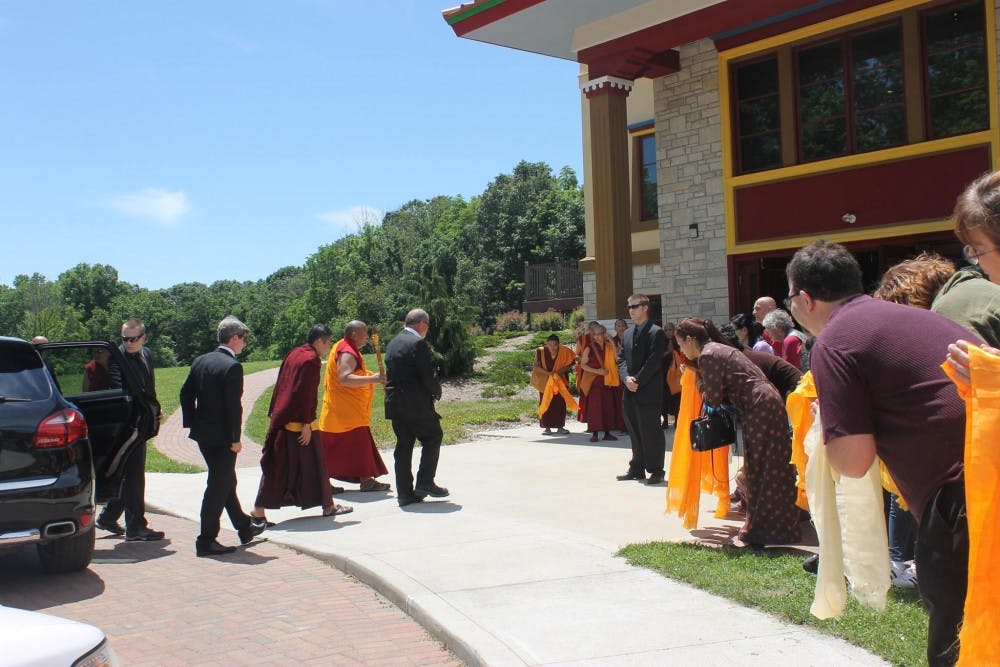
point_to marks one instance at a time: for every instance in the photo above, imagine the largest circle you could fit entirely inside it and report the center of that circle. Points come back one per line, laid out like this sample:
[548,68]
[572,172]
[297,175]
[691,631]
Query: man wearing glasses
[640,364]
[133,493]
[881,391]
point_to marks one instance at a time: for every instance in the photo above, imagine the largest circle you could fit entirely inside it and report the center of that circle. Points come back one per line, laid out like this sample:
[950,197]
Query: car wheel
[67,554]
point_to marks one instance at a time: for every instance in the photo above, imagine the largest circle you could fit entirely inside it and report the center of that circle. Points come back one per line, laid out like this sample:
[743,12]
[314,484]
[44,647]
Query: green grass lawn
[776,583]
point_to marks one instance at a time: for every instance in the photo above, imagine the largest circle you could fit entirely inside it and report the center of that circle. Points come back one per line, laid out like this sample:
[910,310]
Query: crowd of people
[891,378]
[884,400]
[306,444]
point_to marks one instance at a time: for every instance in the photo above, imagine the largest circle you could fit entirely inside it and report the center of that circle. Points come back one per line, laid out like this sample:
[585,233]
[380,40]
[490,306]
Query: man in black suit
[410,391]
[133,493]
[211,408]
[639,364]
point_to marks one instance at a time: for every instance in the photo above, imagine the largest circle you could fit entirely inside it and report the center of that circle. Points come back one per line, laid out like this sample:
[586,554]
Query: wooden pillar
[610,178]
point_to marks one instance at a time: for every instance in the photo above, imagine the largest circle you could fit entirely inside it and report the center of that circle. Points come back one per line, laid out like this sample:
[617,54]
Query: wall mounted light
[849,218]
[693,227]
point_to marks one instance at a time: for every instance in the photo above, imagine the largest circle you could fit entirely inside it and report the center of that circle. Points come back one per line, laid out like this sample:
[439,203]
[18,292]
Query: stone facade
[693,271]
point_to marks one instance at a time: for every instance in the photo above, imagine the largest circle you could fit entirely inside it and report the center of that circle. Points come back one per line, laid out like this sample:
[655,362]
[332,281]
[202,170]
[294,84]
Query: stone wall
[694,271]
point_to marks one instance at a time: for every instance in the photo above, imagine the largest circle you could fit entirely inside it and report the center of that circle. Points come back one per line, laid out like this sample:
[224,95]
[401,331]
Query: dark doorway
[763,274]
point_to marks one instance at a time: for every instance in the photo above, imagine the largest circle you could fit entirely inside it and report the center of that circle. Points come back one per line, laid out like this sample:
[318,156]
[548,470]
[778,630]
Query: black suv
[65,432]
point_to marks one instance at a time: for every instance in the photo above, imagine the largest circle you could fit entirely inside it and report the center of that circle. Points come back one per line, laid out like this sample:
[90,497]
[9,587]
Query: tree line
[461,260]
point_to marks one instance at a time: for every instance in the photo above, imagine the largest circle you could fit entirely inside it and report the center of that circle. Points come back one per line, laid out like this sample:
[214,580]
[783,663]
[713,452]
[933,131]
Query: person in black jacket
[133,492]
[211,408]
[410,391]
[639,365]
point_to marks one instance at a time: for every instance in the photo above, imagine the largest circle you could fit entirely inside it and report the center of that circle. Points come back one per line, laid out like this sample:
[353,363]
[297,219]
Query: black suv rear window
[22,375]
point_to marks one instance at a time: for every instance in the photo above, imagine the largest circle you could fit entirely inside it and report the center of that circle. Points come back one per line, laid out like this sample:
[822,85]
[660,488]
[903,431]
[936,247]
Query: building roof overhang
[624,38]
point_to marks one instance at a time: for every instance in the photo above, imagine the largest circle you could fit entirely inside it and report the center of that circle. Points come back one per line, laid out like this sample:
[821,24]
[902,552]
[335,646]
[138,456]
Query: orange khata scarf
[800,415]
[692,472]
[345,408]
[978,637]
[556,384]
[610,364]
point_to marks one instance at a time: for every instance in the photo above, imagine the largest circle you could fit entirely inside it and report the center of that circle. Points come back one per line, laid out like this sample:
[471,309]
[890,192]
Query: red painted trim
[779,27]
[496,13]
[920,188]
[685,29]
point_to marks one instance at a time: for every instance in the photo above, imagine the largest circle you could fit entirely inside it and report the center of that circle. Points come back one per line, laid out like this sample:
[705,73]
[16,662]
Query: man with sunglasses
[133,492]
[640,367]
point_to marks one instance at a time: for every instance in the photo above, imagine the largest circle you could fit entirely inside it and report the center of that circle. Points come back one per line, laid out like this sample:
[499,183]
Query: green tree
[87,287]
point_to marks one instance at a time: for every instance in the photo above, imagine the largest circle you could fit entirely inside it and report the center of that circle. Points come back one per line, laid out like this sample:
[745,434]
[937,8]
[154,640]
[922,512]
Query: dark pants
[942,556]
[132,500]
[408,430]
[220,491]
[649,447]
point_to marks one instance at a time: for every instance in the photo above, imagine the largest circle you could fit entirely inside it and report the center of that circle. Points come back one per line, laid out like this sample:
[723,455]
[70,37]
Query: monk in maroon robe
[294,471]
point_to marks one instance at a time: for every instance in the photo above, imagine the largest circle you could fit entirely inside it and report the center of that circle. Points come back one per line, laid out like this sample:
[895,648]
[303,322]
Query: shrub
[575,317]
[550,320]
[514,320]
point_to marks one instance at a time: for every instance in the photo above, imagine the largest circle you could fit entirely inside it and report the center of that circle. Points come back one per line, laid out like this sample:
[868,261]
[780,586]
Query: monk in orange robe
[345,420]
[292,465]
[553,362]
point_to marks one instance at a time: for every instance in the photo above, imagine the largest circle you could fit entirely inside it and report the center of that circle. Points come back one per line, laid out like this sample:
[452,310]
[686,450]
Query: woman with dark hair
[750,333]
[727,377]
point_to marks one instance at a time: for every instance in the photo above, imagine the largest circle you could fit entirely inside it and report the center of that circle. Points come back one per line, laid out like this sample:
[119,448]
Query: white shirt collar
[413,331]
[228,349]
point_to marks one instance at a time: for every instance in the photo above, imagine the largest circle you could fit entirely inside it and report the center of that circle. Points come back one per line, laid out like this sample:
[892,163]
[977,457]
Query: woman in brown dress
[727,377]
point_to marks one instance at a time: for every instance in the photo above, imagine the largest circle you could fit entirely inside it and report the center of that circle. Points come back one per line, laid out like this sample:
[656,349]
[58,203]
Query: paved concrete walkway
[517,567]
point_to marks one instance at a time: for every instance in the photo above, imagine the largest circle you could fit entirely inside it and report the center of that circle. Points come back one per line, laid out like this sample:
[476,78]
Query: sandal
[337,510]
[335,490]
[562,431]
[374,485]
[262,521]
[593,438]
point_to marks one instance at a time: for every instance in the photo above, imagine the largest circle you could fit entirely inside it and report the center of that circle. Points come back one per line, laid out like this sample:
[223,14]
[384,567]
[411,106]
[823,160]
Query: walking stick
[378,351]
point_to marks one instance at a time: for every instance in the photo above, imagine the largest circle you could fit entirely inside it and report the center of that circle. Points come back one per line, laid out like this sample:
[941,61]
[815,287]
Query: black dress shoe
[251,531]
[432,490]
[112,527]
[630,475]
[213,548]
[654,480]
[409,500]
[811,564]
[145,535]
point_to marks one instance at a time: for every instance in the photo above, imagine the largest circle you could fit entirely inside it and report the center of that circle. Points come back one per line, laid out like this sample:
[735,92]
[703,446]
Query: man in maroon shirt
[882,392]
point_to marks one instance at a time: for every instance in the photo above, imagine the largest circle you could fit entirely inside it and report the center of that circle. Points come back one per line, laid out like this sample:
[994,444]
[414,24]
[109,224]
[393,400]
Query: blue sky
[196,141]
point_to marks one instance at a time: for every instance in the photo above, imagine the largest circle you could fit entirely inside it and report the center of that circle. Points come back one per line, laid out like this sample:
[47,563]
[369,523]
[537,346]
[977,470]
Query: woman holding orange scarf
[599,377]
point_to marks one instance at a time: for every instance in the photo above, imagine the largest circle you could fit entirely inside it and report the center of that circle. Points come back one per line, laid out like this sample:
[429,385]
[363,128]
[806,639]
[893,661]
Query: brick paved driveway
[265,605]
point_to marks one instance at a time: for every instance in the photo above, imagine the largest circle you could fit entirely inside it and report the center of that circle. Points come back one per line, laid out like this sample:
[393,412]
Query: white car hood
[31,639]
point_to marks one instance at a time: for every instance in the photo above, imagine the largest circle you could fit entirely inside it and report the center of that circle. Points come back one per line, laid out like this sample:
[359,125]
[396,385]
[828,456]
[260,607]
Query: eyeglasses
[633,306]
[132,339]
[788,299]
[972,257]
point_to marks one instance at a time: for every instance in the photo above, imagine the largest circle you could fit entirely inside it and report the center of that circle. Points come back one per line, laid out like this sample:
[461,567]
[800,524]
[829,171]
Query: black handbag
[715,428]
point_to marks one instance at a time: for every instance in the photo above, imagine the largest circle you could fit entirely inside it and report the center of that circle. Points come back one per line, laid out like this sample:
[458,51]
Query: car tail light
[60,429]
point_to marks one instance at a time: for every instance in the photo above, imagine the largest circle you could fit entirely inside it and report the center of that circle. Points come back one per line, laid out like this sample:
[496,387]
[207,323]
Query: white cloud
[348,220]
[156,204]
